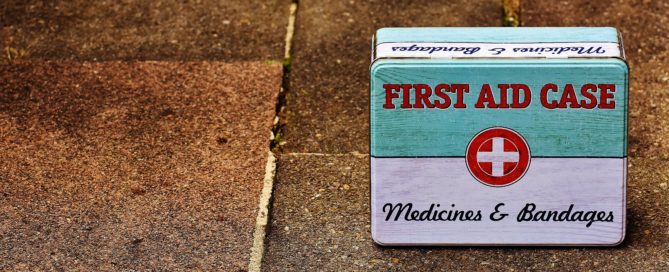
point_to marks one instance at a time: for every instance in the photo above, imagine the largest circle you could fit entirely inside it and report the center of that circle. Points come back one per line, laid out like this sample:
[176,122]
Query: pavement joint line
[262,218]
[354,154]
[290,30]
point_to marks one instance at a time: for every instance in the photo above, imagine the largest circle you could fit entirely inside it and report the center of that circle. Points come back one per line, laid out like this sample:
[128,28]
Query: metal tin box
[498,136]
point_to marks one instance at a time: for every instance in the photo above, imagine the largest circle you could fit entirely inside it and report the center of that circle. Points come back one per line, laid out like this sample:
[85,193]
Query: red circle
[513,156]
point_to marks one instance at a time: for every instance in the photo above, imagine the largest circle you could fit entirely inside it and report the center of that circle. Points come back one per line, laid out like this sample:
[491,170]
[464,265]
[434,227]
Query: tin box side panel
[498,34]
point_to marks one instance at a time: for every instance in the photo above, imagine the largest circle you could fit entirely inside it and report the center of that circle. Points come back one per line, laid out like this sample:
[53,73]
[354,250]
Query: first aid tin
[498,136]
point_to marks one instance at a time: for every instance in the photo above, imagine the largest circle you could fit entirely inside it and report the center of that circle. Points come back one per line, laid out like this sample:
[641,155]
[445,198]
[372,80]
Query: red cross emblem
[498,156]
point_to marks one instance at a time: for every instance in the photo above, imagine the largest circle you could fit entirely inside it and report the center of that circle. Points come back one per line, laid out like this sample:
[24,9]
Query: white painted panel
[550,183]
[497,50]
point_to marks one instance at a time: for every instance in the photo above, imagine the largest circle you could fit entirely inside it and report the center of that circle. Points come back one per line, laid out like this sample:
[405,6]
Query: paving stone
[644,26]
[327,104]
[144,30]
[132,165]
[320,221]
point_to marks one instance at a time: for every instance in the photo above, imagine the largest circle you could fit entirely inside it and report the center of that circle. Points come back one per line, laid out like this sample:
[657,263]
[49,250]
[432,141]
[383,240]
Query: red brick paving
[132,165]
[144,30]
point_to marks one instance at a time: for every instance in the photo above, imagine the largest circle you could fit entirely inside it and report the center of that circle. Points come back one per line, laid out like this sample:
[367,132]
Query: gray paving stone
[327,105]
[644,26]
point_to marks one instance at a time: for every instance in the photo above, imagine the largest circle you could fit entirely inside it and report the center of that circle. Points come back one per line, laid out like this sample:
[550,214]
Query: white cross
[498,156]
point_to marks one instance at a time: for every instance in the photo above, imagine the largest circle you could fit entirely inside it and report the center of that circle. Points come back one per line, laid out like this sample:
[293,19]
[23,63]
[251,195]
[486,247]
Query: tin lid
[497,42]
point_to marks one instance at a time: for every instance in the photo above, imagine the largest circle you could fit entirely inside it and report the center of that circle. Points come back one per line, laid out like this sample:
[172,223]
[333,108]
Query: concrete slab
[132,165]
[327,104]
[144,30]
[320,220]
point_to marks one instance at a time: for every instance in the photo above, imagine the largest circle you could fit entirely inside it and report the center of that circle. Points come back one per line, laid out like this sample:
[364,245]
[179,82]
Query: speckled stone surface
[144,30]
[327,104]
[320,221]
[321,206]
[644,26]
[132,165]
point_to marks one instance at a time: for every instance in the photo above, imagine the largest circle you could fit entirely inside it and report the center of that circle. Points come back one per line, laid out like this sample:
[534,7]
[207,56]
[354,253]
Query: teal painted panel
[550,133]
[497,34]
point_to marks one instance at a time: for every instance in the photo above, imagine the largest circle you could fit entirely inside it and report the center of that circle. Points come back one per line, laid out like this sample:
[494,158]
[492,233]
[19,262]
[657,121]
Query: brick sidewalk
[160,164]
